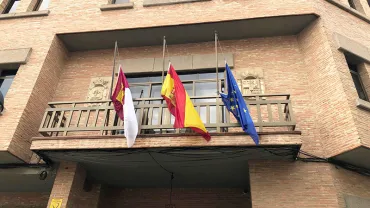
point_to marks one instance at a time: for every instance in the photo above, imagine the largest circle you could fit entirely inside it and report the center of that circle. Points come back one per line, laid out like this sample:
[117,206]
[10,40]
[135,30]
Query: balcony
[89,133]
[272,114]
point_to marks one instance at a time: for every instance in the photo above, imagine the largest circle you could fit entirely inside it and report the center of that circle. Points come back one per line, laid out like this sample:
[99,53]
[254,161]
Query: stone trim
[109,7]
[346,44]
[149,3]
[24,14]
[190,62]
[349,10]
[363,104]
[15,56]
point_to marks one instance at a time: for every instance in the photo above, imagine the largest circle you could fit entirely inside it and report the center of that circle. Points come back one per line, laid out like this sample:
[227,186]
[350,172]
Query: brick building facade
[304,67]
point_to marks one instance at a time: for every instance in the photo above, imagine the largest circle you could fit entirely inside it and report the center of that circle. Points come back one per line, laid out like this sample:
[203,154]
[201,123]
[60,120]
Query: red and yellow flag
[180,105]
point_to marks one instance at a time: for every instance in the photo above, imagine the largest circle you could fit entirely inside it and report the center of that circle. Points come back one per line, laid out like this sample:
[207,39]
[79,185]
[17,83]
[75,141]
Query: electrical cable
[189,157]
[313,158]
[160,164]
[172,175]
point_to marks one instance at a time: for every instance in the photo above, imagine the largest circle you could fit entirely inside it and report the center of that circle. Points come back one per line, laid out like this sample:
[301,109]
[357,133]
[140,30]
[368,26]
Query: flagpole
[163,56]
[216,38]
[113,69]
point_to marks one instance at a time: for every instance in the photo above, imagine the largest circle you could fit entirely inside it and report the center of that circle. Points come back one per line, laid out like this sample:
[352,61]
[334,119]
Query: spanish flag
[180,105]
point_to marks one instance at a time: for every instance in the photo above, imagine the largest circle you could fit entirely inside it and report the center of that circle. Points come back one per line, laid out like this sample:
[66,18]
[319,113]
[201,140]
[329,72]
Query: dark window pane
[360,91]
[5,84]
[352,67]
[120,1]
[189,88]
[156,93]
[12,6]
[186,77]
[138,80]
[8,73]
[352,4]
[138,91]
[205,89]
[211,75]
[157,79]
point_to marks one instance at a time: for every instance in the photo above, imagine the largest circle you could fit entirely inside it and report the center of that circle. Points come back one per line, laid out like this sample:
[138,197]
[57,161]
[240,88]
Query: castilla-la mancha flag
[124,106]
[180,105]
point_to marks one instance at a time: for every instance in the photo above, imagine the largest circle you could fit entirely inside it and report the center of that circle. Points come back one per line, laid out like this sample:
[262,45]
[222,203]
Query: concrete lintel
[190,62]
[148,3]
[14,56]
[346,44]
[178,62]
[109,7]
[136,65]
[363,104]
[25,14]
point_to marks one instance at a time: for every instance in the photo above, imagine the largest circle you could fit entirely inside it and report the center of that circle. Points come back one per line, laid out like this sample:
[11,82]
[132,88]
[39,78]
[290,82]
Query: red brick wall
[78,16]
[159,197]
[335,126]
[278,57]
[291,185]
[69,186]
[339,21]
[21,122]
[23,200]
[350,183]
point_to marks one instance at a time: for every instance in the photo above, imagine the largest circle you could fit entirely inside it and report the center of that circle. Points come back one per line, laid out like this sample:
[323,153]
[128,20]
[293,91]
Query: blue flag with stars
[235,103]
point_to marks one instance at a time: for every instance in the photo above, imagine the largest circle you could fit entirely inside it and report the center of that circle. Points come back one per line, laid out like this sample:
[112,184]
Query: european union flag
[235,103]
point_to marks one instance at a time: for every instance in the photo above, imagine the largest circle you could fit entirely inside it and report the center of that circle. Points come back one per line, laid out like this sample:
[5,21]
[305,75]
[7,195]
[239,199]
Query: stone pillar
[70,188]
[292,184]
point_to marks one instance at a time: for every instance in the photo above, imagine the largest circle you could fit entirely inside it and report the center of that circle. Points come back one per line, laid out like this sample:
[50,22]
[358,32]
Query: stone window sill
[350,10]
[363,104]
[149,3]
[108,7]
[25,14]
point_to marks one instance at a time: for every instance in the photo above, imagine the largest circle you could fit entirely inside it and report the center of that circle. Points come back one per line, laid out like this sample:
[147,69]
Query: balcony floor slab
[292,138]
[193,167]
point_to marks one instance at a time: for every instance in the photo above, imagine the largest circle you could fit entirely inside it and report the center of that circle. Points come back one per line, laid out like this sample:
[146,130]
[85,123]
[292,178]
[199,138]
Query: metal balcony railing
[271,113]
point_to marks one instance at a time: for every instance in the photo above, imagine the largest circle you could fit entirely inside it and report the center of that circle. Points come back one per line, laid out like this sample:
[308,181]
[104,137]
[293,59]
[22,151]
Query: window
[358,83]
[11,7]
[41,5]
[196,85]
[6,79]
[120,1]
[352,4]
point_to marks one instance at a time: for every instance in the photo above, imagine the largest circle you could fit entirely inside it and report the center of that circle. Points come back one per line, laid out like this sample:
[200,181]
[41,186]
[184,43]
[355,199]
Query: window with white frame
[11,6]
[120,1]
[41,5]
